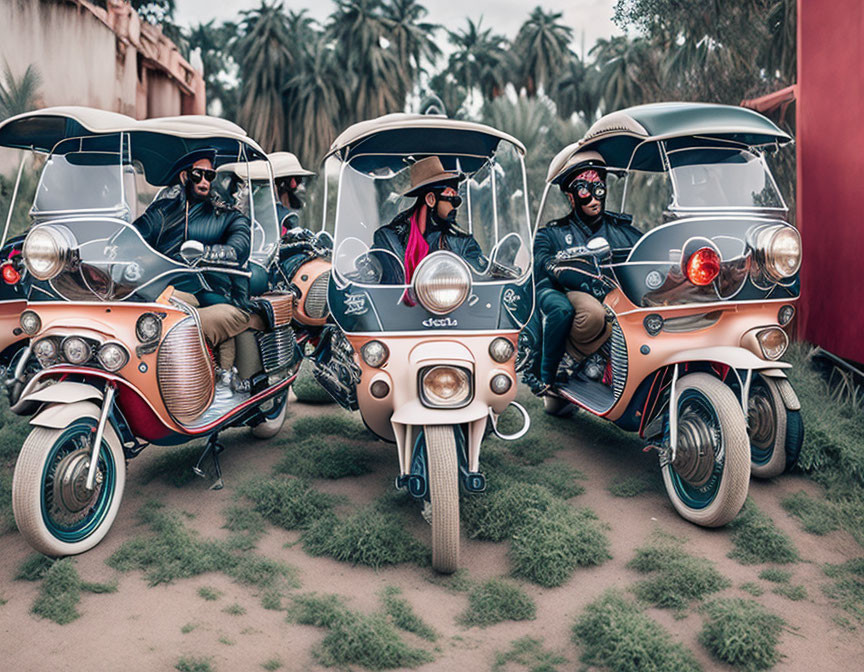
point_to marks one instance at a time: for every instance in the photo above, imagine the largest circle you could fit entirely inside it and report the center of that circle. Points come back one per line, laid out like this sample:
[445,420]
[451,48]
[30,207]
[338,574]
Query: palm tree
[478,59]
[18,95]
[542,49]
[264,66]
[574,90]
[413,40]
[213,44]
[781,56]
[626,72]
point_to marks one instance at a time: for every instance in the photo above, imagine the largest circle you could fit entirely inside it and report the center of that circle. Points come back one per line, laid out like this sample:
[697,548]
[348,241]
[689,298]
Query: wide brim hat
[186,161]
[286,164]
[430,171]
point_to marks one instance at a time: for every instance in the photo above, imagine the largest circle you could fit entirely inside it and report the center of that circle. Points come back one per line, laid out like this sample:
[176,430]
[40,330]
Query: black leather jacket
[439,235]
[211,222]
[570,232]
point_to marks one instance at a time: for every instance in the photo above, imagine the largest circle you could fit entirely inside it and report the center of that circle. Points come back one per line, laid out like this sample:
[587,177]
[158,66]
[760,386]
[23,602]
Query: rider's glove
[223,255]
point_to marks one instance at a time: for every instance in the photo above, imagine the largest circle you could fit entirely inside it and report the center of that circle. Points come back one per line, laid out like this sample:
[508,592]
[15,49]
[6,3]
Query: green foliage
[343,426]
[457,582]
[615,634]
[18,94]
[402,615]
[34,567]
[192,664]
[247,526]
[794,593]
[554,542]
[324,457]
[847,589]
[272,664]
[630,486]
[742,633]
[290,503]
[529,652]
[495,601]
[753,588]
[189,627]
[498,513]
[173,552]
[209,593]
[817,516]
[368,537]
[757,539]
[308,390]
[174,466]
[13,428]
[59,593]
[352,638]
[234,609]
[775,575]
[676,578]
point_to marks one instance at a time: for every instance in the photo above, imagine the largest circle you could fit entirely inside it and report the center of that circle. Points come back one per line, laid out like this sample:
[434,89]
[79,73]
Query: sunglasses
[586,191]
[198,174]
[455,200]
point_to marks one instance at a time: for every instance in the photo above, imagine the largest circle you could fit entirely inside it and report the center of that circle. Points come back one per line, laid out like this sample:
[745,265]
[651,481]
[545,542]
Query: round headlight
[773,342]
[778,248]
[46,250]
[500,383]
[30,322]
[148,328]
[501,350]
[374,353]
[446,386]
[76,350]
[112,357]
[442,282]
[46,351]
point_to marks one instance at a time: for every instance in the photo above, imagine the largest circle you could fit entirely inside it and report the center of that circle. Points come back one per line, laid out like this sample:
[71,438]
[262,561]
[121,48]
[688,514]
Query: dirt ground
[139,627]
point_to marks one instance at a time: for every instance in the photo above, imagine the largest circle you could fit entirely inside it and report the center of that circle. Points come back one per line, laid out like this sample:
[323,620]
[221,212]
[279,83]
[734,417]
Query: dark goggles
[454,200]
[585,191]
[198,174]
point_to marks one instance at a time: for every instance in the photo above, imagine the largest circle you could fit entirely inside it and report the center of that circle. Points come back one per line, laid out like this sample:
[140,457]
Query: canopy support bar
[14,198]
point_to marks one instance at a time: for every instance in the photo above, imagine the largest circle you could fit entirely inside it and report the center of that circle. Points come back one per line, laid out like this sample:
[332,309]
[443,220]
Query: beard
[294,201]
[440,222]
[192,194]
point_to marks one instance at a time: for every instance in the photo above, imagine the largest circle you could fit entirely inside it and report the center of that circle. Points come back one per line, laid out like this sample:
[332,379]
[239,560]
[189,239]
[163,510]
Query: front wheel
[709,478]
[444,495]
[53,509]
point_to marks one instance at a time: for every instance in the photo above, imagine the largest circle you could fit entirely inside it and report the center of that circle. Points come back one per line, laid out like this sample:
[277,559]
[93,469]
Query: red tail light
[703,266]
[10,275]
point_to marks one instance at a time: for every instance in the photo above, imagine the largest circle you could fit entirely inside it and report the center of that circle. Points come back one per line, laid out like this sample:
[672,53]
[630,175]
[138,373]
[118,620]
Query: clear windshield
[373,217]
[258,203]
[717,178]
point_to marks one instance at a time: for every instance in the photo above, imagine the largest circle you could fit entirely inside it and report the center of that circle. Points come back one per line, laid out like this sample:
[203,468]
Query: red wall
[830,120]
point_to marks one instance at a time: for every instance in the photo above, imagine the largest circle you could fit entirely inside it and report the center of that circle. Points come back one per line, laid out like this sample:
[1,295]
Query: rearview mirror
[191,251]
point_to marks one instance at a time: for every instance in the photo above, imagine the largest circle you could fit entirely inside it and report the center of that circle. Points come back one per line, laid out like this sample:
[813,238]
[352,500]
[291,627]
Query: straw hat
[429,171]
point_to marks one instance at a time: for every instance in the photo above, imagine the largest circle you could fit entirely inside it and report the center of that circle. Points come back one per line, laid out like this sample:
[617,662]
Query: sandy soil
[139,627]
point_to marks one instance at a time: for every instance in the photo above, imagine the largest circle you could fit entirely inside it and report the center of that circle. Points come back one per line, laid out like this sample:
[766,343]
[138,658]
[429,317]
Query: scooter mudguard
[59,415]
[734,356]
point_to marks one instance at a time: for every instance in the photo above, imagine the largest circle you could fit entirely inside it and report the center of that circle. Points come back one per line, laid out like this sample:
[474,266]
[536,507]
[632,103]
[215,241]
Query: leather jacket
[212,222]
[440,235]
[571,232]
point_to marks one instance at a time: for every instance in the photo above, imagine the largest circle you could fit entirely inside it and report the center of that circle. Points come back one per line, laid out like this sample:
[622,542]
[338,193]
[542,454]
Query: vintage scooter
[123,360]
[698,306]
[429,362]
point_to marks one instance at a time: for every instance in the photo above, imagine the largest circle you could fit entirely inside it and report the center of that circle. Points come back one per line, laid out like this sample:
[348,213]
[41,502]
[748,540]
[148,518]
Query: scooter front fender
[59,415]
[64,392]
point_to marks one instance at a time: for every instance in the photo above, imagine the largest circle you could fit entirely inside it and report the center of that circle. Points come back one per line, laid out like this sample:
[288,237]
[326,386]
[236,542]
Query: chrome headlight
[445,387]
[30,322]
[374,353]
[112,356]
[500,383]
[76,350]
[47,250]
[46,351]
[773,342]
[778,247]
[501,350]
[148,328]
[442,282]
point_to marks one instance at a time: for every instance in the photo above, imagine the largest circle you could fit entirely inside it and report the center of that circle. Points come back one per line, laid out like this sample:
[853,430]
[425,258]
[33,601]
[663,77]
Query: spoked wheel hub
[698,441]
[70,500]
[761,419]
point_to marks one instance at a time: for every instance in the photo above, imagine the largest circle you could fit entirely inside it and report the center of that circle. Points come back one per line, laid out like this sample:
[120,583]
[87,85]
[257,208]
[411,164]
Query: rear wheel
[709,478]
[53,509]
[444,496]
[767,422]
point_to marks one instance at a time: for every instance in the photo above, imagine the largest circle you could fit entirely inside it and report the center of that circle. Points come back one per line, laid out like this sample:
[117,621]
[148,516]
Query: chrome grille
[618,352]
[277,348]
[281,307]
[185,372]
[315,303]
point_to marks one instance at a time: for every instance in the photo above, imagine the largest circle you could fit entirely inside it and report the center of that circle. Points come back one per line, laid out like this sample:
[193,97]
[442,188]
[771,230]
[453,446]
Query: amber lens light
[501,350]
[374,353]
[446,386]
[773,342]
[703,266]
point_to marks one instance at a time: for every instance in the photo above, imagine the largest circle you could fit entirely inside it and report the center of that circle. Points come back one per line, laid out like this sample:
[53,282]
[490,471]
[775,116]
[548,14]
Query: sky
[589,18]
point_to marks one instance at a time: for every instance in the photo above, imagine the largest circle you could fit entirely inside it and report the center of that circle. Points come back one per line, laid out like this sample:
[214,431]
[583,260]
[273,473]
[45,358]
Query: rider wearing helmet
[569,297]
[428,225]
[288,174]
[190,210]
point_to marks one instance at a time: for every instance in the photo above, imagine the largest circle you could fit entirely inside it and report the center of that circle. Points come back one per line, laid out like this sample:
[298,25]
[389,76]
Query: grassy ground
[742,633]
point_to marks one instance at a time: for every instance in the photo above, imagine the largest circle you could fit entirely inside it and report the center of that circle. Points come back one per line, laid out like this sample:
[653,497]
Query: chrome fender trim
[526,425]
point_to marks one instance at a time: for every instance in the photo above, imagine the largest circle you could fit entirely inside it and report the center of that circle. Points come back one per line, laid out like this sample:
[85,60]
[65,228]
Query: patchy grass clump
[497,514]
[368,537]
[794,593]
[192,664]
[34,567]
[775,575]
[529,652]
[13,430]
[495,601]
[847,590]
[342,426]
[757,539]
[742,633]
[247,526]
[308,391]
[676,578]
[235,609]
[61,590]
[554,542]
[630,486]
[533,448]
[324,457]
[355,639]
[614,633]
[290,503]
[457,582]
[174,465]
[817,516]
[272,664]
[402,615]
[174,552]
[752,588]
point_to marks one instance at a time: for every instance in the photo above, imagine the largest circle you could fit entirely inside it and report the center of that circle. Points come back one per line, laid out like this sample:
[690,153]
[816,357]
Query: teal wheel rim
[702,495]
[762,424]
[73,526]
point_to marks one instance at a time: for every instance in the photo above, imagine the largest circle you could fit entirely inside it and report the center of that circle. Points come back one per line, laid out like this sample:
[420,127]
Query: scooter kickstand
[212,448]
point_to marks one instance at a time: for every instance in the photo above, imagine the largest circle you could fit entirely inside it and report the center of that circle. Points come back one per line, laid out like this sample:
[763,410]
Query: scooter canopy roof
[628,138]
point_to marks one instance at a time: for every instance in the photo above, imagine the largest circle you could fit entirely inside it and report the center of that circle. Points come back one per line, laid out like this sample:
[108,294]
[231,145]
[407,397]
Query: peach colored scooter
[429,359]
